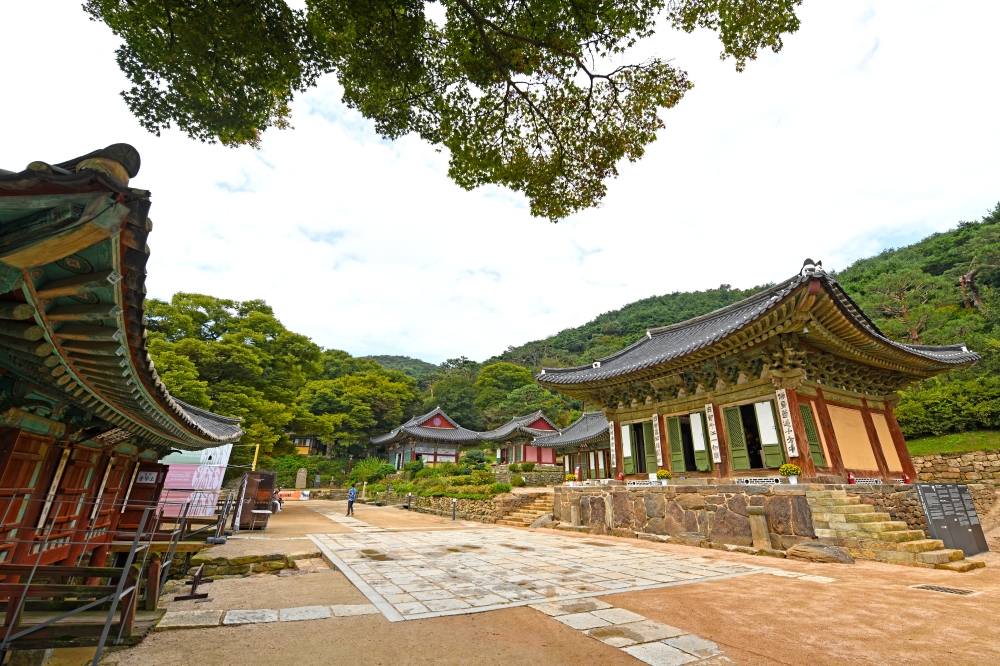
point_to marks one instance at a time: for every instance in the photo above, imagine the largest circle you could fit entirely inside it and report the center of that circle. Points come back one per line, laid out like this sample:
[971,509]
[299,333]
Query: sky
[874,126]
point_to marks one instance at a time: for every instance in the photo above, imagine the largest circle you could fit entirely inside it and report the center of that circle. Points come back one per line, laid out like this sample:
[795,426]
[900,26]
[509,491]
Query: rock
[638,512]
[691,501]
[654,505]
[802,524]
[542,521]
[730,527]
[621,510]
[689,538]
[655,526]
[738,504]
[779,515]
[245,559]
[819,552]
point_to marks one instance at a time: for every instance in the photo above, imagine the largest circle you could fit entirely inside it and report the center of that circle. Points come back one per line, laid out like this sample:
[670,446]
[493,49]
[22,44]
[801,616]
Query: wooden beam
[83,312]
[98,348]
[873,441]
[899,442]
[34,347]
[826,423]
[16,311]
[77,284]
[92,333]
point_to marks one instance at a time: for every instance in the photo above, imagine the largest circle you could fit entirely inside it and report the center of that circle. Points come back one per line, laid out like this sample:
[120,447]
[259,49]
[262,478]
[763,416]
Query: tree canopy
[537,95]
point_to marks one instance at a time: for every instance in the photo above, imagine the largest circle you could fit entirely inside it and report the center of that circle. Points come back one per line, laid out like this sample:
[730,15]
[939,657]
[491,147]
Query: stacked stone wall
[969,467]
[483,511]
[535,479]
[902,503]
[718,513]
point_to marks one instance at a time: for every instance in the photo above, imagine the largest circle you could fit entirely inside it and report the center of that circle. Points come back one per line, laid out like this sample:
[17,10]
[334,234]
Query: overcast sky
[876,125]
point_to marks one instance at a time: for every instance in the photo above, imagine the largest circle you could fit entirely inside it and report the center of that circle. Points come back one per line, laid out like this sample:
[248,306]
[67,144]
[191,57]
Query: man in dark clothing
[352,495]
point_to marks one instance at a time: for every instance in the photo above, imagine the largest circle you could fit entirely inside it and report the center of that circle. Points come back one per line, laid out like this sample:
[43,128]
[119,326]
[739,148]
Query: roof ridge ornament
[809,267]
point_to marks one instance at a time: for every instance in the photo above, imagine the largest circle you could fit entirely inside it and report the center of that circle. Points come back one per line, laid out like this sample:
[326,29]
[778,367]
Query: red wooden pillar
[883,466]
[836,461]
[804,459]
[619,463]
[725,467]
[899,442]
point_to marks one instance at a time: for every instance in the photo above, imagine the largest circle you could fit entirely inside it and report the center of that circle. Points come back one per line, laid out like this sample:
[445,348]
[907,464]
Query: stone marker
[819,552]
[758,527]
[250,617]
[354,609]
[196,619]
[304,613]
[300,478]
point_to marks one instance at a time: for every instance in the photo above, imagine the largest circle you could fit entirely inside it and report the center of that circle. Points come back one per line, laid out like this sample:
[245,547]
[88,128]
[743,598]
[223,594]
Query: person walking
[352,495]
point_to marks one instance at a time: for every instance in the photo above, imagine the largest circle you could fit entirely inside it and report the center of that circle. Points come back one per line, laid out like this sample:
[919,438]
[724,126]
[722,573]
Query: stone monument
[300,478]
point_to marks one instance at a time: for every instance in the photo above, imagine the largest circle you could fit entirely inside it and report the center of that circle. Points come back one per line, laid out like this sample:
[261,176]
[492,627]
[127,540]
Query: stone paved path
[415,575]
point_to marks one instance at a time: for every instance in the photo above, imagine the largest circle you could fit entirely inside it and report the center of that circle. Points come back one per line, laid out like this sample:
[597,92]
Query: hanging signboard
[951,517]
[611,434]
[713,433]
[657,440]
[787,429]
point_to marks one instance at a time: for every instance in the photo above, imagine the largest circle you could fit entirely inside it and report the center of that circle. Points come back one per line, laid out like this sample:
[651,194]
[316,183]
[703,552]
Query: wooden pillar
[899,442]
[153,582]
[619,462]
[883,466]
[724,467]
[804,459]
[836,460]
[664,444]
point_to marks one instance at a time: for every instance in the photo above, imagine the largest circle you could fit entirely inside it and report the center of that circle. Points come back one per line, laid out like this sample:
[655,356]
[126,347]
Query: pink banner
[197,484]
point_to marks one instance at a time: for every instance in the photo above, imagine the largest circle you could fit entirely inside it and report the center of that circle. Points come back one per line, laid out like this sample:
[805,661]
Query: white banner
[713,432]
[611,433]
[657,440]
[787,429]
[627,441]
[697,432]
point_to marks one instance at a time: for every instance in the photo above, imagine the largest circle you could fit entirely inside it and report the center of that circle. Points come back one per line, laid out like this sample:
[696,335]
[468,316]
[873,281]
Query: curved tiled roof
[413,428]
[589,428]
[75,249]
[518,425]
[672,342]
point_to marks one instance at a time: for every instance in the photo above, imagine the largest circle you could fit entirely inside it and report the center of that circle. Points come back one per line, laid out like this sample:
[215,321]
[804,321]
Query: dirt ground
[285,532]
[868,616]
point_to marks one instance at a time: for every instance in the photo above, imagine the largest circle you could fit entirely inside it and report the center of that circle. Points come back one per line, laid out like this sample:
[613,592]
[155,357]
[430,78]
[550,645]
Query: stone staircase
[866,534]
[526,515]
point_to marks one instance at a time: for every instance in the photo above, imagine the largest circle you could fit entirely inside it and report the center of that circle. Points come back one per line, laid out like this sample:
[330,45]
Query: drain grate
[945,590]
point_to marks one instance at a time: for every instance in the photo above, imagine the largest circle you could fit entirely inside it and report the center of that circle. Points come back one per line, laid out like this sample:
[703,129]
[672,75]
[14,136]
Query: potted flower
[791,471]
[664,476]
[571,479]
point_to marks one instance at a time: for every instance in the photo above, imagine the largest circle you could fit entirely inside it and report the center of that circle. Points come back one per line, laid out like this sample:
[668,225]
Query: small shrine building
[585,447]
[434,437]
[514,440]
[795,373]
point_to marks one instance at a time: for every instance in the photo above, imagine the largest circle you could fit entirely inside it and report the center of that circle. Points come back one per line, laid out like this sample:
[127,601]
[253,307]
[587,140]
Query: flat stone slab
[250,617]
[566,607]
[582,621]
[699,647]
[354,609]
[304,613]
[195,619]
[659,654]
[645,631]
[618,615]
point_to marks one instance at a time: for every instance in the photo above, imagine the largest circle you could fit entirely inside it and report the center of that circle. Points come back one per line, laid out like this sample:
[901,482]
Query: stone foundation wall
[243,565]
[718,512]
[535,479]
[971,467]
[483,511]
[902,503]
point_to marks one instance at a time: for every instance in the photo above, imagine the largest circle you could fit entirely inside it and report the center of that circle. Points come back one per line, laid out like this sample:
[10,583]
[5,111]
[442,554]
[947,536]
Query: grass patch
[959,442]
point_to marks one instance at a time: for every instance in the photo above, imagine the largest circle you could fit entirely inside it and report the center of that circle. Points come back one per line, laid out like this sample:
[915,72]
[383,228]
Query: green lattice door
[738,455]
[770,438]
[649,444]
[677,464]
[815,448]
[699,436]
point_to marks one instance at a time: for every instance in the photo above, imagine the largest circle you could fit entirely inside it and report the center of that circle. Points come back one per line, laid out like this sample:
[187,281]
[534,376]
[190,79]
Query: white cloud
[873,127]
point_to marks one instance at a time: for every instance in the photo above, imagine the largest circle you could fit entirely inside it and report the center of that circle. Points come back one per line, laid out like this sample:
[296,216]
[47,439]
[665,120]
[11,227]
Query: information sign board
[951,517]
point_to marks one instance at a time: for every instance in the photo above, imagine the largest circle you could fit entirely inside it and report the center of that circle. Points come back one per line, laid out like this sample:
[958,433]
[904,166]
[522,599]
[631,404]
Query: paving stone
[194,619]
[432,594]
[692,644]
[437,605]
[411,608]
[659,654]
[645,631]
[618,615]
[304,613]
[354,609]
[250,617]
[399,598]
[582,621]
[488,600]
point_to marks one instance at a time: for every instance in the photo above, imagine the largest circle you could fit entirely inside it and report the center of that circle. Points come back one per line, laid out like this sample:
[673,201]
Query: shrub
[664,474]
[517,480]
[527,467]
[500,488]
[571,477]
[789,469]
[371,469]
[474,459]
[513,467]
[446,468]
[483,477]
[425,472]
[413,467]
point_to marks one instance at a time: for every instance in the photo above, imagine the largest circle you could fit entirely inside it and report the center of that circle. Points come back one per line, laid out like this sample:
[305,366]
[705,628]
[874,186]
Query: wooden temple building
[585,447]
[84,417]
[514,440]
[795,373]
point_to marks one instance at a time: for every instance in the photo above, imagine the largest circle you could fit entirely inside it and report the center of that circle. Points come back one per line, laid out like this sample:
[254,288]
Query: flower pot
[664,482]
[793,480]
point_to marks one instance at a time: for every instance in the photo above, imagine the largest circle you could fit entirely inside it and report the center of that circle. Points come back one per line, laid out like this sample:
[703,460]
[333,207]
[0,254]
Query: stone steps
[526,515]
[868,534]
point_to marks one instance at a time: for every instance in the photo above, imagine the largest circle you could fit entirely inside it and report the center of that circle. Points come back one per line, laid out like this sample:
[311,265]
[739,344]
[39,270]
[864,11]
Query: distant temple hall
[796,373]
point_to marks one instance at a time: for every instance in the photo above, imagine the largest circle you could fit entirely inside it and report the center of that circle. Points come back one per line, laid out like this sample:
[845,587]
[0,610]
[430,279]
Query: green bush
[411,468]
[287,467]
[527,467]
[940,406]
[483,477]
[371,469]
[474,459]
[517,480]
[513,467]
[500,488]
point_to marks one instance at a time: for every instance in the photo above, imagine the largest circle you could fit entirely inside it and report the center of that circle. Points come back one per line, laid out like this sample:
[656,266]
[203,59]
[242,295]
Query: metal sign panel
[951,517]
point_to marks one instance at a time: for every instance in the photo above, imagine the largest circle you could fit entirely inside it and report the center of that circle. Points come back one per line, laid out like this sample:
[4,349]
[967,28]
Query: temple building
[514,440]
[84,417]
[585,447]
[796,373]
[434,437]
